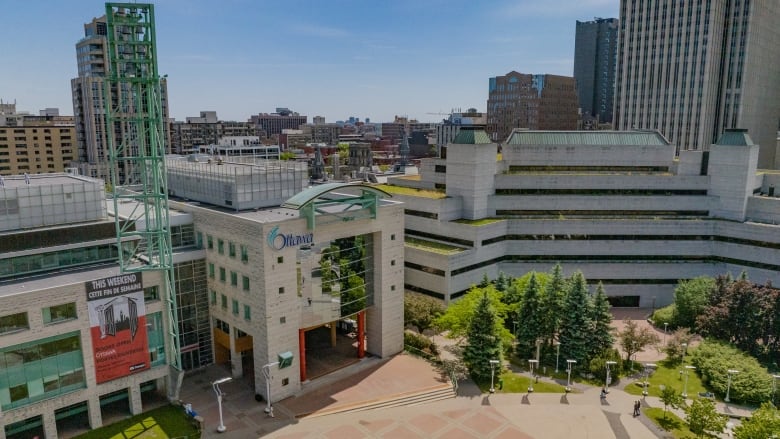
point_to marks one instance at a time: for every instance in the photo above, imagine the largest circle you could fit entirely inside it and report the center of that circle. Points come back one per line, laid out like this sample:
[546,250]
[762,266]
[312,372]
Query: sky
[332,58]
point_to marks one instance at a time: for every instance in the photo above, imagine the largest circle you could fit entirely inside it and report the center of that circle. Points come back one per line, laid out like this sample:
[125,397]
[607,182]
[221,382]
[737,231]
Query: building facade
[36,144]
[595,53]
[616,205]
[693,69]
[272,124]
[535,102]
[89,105]
[449,127]
[206,130]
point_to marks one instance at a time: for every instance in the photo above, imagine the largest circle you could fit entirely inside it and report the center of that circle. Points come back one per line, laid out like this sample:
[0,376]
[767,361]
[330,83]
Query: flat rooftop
[42,180]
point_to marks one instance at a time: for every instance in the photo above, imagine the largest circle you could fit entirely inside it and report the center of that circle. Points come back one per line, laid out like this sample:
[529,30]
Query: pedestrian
[637,406]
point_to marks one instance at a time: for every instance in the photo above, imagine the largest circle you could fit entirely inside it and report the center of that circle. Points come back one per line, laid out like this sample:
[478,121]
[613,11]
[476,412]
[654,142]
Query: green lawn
[668,374]
[436,247]
[401,190]
[514,383]
[478,222]
[162,423]
[671,423]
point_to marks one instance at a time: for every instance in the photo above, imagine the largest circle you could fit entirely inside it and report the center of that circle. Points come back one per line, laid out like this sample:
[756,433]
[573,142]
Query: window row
[52,314]
[236,307]
[231,246]
[233,277]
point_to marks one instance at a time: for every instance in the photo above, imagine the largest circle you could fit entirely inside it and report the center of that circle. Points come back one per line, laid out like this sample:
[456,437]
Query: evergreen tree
[602,337]
[529,320]
[575,330]
[484,341]
[551,304]
[503,282]
[485,281]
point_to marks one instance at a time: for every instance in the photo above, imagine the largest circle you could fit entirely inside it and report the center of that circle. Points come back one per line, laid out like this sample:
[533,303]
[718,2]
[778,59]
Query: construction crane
[136,142]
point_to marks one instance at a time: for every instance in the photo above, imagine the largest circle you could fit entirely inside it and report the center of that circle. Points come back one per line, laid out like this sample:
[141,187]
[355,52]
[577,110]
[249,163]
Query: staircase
[424,396]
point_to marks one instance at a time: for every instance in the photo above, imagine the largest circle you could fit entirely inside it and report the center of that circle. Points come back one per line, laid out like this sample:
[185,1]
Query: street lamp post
[267,374]
[569,364]
[215,385]
[608,381]
[730,372]
[684,350]
[531,365]
[557,354]
[685,388]
[648,366]
[493,364]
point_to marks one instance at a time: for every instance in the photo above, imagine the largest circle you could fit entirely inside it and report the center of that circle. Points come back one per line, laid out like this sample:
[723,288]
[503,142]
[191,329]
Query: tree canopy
[483,340]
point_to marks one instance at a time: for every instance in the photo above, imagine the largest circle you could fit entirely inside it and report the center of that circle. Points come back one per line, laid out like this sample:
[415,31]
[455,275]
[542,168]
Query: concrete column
[95,415]
[136,405]
[333,333]
[49,424]
[236,370]
[361,335]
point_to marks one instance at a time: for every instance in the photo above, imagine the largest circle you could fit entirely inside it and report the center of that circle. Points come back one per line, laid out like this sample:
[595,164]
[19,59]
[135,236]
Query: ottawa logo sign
[278,241]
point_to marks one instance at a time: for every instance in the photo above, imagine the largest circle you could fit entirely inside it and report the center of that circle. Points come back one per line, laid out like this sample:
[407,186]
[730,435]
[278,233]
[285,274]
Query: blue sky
[339,58]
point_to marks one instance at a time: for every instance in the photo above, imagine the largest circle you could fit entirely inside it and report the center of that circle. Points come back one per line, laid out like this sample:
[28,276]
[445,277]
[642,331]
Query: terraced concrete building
[617,205]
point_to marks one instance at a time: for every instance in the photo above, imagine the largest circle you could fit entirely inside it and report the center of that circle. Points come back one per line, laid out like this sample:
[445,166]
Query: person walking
[637,406]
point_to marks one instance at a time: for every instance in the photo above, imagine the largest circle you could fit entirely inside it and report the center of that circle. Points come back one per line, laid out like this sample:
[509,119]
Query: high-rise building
[595,52]
[89,104]
[535,102]
[691,69]
[206,130]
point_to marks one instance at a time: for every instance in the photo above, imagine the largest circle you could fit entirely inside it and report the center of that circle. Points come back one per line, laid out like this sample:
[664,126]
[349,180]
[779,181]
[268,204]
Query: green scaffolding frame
[136,140]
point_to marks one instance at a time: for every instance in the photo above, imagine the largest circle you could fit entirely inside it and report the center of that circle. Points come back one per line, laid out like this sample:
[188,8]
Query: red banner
[117,318]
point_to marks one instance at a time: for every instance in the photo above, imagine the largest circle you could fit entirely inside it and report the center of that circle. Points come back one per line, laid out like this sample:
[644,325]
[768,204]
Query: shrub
[663,315]
[713,359]
[598,365]
[416,340]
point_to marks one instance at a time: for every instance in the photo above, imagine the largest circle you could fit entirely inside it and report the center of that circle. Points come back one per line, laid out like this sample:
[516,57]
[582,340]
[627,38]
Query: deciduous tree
[420,311]
[763,423]
[703,419]
[633,339]
[671,398]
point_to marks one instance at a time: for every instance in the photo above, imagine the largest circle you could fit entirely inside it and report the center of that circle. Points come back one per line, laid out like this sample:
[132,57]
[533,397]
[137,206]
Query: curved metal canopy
[309,195]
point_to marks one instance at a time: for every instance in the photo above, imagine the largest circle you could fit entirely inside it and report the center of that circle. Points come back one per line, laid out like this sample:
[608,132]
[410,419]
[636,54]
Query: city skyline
[316,59]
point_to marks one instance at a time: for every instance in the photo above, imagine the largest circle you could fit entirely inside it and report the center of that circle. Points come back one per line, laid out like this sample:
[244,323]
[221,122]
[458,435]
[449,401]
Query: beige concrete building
[36,144]
[692,69]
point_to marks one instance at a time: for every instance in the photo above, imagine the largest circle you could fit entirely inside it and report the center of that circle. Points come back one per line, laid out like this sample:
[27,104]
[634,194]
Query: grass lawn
[514,383]
[671,423]
[400,190]
[668,374]
[478,222]
[435,247]
[161,423]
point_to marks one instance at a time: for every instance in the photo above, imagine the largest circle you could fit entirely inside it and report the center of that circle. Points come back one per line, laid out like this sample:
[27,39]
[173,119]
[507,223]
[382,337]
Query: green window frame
[231,249]
[211,270]
[222,274]
[245,282]
[247,312]
[235,306]
[199,239]
[234,278]
[220,246]
[152,293]
[244,253]
[210,242]
[213,297]
[224,301]
[59,313]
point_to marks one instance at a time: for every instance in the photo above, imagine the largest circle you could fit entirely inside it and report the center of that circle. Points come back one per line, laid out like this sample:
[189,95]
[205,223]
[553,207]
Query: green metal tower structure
[136,140]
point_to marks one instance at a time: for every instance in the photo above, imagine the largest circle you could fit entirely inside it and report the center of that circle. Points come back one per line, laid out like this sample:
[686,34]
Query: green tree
[762,424]
[529,320]
[671,398]
[703,419]
[674,345]
[457,318]
[552,304]
[483,340]
[633,339]
[353,299]
[287,155]
[485,281]
[574,333]
[602,338]
[691,297]
[420,311]
[503,282]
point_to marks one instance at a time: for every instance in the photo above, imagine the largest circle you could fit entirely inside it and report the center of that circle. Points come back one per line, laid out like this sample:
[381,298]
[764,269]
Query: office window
[59,313]
[222,275]
[281,290]
[220,246]
[152,293]
[199,239]
[247,312]
[211,270]
[280,259]
[14,322]
[224,301]
[244,253]
[235,306]
[282,320]
[234,278]
[231,249]
[210,242]
[245,282]
[213,297]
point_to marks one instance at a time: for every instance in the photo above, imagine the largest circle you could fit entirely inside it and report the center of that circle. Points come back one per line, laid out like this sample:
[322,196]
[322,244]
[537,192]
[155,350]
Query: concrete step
[437,393]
